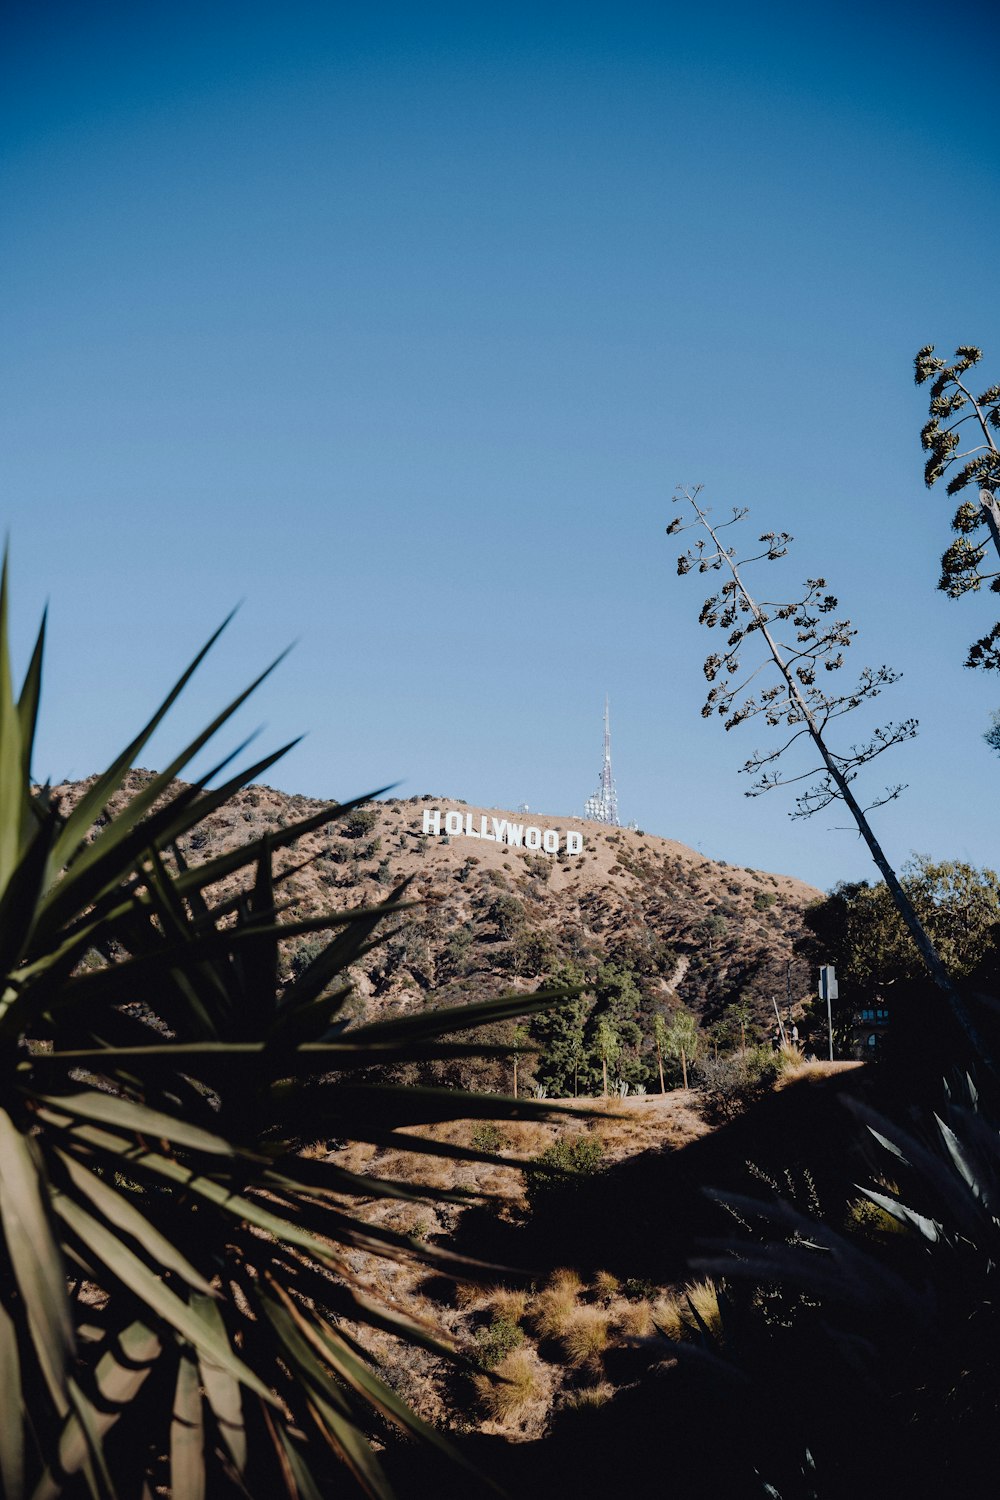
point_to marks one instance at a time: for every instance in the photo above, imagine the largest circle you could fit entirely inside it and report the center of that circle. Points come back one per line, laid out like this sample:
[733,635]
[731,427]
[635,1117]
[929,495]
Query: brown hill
[492,916]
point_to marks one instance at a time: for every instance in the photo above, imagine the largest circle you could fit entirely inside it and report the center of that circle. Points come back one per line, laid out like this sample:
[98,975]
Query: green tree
[618,1000]
[608,1047]
[360,822]
[860,930]
[507,912]
[563,1062]
[681,1040]
[731,1030]
[976,521]
[176,1277]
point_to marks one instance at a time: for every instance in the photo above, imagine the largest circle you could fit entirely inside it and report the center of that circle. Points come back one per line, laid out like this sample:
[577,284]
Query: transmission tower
[602,807]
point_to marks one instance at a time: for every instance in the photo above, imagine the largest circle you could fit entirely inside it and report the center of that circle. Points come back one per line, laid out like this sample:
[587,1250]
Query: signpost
[828,991]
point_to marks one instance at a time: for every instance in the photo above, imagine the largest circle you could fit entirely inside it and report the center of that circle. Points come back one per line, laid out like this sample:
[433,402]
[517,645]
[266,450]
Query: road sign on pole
[828,991]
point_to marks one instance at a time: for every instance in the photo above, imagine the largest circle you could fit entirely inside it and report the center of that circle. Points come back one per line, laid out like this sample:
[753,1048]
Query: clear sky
[400,323]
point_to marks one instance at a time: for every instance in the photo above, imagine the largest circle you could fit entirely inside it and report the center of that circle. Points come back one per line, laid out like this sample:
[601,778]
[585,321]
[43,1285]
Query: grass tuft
[606,1285]
[508,1302]
[586,1336]
[555,1305]
[633,1320]
[589,1397]
[517,1386]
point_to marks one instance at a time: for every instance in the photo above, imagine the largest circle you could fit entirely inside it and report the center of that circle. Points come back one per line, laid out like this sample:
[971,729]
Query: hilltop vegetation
[649,927]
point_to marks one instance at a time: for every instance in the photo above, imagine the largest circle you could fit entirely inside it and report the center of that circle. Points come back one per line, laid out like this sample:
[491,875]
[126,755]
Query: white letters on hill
[501,831]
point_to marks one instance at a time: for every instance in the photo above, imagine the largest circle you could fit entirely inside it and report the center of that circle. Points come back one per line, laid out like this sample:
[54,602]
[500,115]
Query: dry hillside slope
[492,917]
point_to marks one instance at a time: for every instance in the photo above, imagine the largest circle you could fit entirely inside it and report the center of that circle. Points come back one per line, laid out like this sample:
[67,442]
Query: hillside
[573,1234]
[492,916]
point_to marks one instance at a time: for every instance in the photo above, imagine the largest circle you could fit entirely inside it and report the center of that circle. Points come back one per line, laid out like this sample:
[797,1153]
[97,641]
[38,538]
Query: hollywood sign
[501,831]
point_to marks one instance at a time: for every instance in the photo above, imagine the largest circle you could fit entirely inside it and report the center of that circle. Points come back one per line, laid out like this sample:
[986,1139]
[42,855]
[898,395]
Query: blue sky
[400,324]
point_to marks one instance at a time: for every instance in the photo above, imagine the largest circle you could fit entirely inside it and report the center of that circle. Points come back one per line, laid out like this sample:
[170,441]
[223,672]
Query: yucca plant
[177,1297]
[889,1322]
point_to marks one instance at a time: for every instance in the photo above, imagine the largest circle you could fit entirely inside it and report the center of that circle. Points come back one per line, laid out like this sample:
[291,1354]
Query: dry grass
[518,1385]
[813,1072]
[356,1158]
[585,1337]
[507,1302]
[589,1397]
[633,1320]
[529,1138]
[673,1313]
[467,1294]
[568,1279]
[668,1317]
[606,1285]
[555,1305]
[704,1298]
[410,1218]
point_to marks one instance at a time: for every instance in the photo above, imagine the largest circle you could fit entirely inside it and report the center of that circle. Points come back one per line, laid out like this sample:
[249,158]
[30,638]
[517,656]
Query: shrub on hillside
[495,1341]
[731,1084]
[564,1166]
[489,1137]
[358,823]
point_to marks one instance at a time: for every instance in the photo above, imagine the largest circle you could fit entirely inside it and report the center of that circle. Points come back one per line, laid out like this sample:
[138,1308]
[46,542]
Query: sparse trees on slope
[976,521]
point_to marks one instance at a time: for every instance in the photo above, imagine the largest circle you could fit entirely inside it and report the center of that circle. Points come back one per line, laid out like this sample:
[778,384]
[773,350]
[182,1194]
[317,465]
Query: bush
[564,1165]
[763,900]
[488,1136]
[357,824]
[732,1084]
[495,1342]
[367,851]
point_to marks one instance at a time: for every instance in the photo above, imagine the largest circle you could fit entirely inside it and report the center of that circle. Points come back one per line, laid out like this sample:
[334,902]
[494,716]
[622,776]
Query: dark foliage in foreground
[179,1300]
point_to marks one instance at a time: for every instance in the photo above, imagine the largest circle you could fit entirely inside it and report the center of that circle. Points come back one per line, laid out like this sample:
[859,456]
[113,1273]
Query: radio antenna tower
[602,807]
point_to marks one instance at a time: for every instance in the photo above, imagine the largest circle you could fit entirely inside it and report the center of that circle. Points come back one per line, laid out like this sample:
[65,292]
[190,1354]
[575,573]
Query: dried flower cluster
[804,639]
[977,522]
